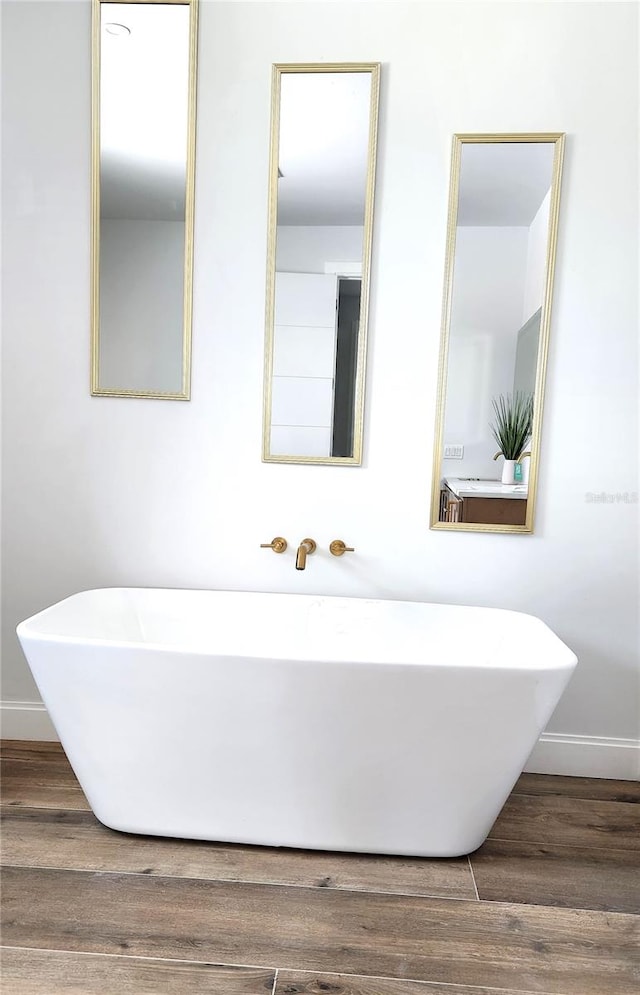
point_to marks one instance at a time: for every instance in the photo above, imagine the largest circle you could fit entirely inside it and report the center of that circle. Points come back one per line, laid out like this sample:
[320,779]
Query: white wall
[306,248]
[141,304]
[536,259]
[102,491]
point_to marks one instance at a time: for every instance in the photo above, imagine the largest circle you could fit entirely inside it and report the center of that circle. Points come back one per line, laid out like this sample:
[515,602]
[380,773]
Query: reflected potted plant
[512,429]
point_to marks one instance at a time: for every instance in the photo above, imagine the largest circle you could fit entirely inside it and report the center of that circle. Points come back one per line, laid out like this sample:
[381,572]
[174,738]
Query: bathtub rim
[566,661]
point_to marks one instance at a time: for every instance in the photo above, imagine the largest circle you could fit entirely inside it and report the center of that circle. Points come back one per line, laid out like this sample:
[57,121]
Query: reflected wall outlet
[453,452]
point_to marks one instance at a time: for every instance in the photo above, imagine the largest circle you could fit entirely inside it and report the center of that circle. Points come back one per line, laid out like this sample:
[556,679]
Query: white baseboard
[585,756]
[555,753]
[26,720]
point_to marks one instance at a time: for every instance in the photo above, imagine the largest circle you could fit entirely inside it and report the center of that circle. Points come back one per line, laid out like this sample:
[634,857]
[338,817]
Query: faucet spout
[306,548]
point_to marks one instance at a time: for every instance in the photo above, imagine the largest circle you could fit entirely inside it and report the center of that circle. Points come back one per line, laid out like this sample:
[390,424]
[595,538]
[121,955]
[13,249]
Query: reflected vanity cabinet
[480,510]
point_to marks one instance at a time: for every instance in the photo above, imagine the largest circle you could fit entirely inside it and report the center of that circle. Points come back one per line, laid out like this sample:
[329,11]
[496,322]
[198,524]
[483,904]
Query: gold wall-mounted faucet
[306,548]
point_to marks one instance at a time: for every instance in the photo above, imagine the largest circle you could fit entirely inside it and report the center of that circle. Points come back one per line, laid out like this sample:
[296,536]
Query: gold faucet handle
[338,547]
[278,545]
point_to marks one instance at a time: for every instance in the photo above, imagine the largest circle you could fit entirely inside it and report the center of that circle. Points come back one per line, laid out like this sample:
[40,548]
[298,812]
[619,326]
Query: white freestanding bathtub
[293,720]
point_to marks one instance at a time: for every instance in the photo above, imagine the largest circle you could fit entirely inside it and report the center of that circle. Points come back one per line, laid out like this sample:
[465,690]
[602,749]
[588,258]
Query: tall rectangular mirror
[144,82]
[323,153]
[501,244]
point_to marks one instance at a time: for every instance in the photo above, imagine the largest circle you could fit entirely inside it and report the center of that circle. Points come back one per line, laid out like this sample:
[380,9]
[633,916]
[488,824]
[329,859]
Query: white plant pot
[508,471]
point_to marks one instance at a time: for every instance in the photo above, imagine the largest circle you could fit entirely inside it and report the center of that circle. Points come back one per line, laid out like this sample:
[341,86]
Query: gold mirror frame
[279,69]
[557,139]
[96,390]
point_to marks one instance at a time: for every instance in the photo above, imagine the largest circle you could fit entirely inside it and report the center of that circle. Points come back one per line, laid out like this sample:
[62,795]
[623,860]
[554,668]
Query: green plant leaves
[513,423]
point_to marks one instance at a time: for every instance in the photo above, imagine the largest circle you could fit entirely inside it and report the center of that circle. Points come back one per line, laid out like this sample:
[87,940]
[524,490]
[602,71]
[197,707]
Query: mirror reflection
[143,197]
[502,234]
[322,173]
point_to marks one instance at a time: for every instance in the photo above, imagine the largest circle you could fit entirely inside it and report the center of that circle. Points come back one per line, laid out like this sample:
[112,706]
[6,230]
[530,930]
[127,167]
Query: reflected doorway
[347,327]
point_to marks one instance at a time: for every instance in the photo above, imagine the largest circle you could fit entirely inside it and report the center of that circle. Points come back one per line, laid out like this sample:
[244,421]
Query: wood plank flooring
[548,905]
[77,841]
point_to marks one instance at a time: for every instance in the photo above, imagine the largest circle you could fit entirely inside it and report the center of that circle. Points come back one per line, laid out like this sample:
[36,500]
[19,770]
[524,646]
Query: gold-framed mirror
[321,191]
[501,246]
[143,165]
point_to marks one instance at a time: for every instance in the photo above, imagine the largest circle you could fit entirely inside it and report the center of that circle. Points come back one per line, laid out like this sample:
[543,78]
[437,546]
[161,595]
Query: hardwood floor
[550,904]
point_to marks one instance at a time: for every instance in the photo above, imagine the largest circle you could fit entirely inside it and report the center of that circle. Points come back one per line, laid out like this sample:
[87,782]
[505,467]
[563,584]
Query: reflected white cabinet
[303,363]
